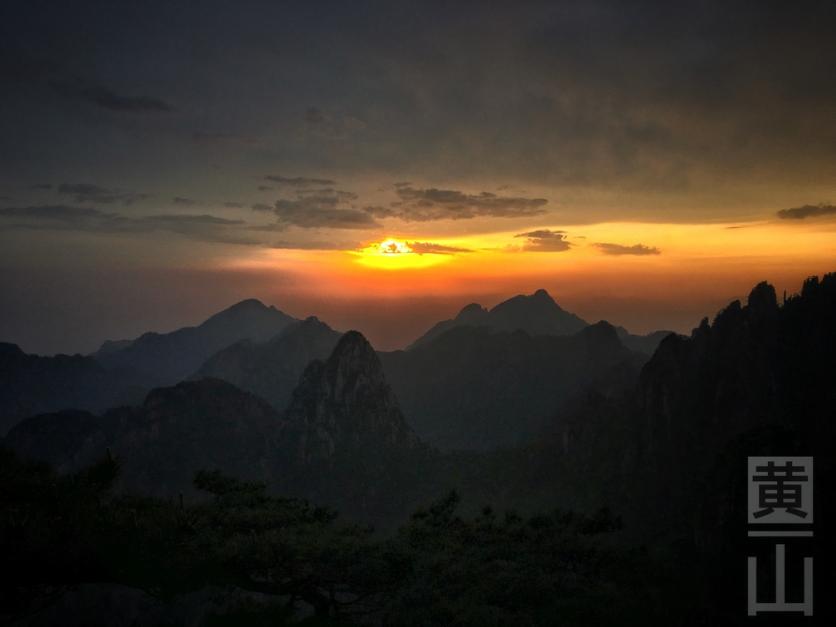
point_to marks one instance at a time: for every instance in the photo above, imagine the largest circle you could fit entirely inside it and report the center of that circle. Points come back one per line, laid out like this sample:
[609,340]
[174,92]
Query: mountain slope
[537,314]
[475,388]
[272,369]
[166,358]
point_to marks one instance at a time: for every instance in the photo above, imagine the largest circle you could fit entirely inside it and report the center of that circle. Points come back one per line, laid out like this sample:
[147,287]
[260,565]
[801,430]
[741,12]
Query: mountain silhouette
[537,314]
[166,358]
[123,371]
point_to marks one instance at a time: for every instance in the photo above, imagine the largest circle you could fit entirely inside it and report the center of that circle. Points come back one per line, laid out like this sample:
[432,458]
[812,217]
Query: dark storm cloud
[234,205]
[545,240]
[430,248]
[264,188]
[88,192]
[619,249]
[260,206]
[423,205]
[183,201]
[86,219]
[807,211]
[298,181]
[41,186]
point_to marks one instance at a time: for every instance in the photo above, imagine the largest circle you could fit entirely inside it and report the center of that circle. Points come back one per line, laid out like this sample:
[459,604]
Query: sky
[382,164]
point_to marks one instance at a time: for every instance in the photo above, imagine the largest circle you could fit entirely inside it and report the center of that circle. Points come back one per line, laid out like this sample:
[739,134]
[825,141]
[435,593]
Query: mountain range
[659,440]
[264,351]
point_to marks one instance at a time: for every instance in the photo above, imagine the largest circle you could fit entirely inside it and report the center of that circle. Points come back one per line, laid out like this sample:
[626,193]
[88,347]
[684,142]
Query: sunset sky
[381,165]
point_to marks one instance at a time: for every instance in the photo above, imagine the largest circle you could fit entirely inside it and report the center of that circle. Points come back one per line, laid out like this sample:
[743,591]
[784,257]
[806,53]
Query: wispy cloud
[619,249]
[545,240]
[88,192]
[431,248]
[106,98]
[298,181]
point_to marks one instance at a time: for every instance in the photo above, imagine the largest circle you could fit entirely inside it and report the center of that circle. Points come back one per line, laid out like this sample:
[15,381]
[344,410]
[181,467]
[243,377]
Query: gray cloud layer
[424,205]
[326,208]
[85,219]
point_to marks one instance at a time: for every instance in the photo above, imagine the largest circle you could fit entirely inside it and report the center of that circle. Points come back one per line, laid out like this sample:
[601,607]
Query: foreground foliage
[282,561]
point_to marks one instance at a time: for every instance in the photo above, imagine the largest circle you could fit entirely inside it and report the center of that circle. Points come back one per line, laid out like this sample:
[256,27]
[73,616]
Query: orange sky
[694,269]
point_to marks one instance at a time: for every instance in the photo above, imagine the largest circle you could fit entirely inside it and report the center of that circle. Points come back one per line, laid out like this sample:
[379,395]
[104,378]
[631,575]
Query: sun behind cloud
[398,254]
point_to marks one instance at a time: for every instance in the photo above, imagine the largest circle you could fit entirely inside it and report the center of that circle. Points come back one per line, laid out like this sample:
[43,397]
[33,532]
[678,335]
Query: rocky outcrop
[344,404]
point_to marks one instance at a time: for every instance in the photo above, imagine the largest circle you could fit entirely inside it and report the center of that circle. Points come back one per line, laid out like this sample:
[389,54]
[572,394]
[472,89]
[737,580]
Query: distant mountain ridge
[122,372]
[166,358]
[537,314]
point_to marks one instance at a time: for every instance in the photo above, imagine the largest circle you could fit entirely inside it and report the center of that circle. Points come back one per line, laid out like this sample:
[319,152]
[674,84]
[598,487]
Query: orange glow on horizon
[698,268]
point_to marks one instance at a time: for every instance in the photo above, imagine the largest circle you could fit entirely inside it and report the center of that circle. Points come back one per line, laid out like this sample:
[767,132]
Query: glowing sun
[396,254]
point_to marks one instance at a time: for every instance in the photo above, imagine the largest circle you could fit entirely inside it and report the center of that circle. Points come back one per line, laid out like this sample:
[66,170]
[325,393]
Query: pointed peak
[541,293]
[352,344]
[248,303]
